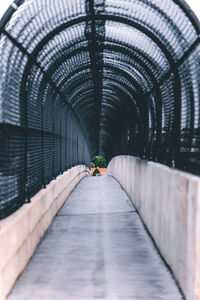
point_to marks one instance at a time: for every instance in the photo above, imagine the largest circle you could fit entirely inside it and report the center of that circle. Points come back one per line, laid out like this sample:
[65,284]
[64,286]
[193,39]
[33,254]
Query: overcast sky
[194,4]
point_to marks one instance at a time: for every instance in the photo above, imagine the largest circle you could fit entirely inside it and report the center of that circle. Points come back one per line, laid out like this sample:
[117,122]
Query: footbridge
[116,78]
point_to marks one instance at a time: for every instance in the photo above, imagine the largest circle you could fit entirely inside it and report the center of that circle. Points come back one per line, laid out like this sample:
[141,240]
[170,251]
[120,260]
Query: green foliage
[96,171]
[99,161]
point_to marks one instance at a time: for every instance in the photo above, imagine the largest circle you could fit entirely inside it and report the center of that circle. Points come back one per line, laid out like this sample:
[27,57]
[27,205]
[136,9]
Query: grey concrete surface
[97,248]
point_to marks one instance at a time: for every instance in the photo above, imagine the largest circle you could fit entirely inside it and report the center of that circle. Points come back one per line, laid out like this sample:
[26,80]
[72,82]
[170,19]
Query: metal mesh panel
[106,77]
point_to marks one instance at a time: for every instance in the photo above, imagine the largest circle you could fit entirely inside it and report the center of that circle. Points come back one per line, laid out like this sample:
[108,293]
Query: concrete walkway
[97,248]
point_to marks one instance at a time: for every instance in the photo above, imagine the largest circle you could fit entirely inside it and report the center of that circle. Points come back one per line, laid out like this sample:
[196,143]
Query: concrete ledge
[168,201]
[21,232]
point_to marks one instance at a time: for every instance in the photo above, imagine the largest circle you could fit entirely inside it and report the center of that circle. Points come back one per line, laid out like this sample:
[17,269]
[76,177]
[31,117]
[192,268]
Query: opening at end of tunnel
[98,166]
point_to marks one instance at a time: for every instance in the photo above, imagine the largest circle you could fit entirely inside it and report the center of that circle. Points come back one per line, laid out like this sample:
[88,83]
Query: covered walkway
[112,78]
[97,248]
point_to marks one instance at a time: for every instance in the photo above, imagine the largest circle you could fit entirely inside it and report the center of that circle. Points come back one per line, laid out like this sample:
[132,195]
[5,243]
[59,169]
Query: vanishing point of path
[97,248]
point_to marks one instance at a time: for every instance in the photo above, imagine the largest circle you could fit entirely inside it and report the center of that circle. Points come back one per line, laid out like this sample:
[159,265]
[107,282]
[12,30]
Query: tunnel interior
[95,77]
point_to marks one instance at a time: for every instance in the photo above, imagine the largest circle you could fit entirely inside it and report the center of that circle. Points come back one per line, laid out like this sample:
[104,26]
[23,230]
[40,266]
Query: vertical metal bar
[61,140]
[42,145]
[95,33]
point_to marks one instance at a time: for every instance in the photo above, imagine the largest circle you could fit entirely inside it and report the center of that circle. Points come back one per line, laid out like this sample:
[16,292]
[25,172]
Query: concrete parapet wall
[21,232]
[168,201]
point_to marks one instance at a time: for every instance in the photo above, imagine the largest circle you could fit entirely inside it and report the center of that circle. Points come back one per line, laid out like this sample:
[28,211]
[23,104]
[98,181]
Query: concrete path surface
[96,248]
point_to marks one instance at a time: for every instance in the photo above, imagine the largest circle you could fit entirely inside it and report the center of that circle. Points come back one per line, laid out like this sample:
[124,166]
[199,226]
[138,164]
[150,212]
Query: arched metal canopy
[86,77]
